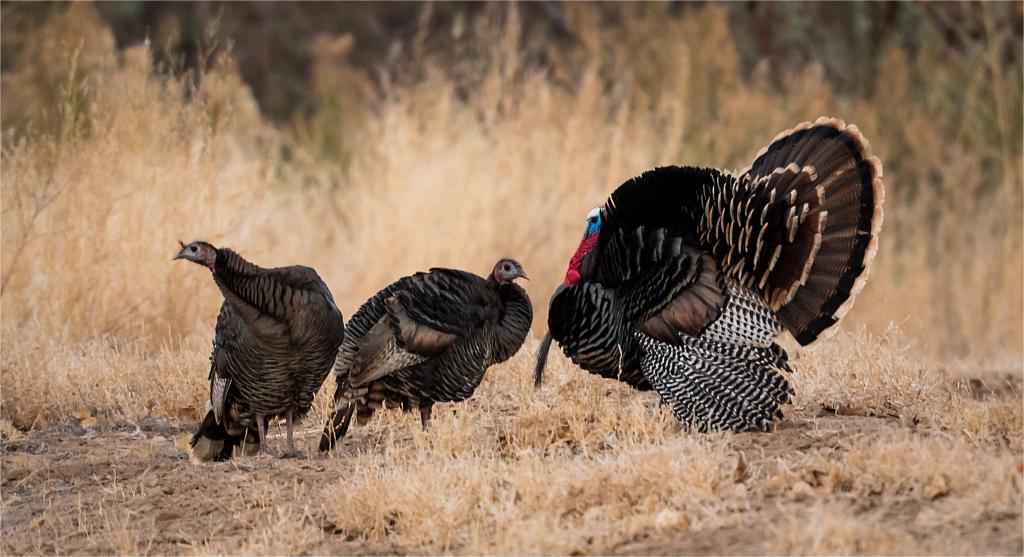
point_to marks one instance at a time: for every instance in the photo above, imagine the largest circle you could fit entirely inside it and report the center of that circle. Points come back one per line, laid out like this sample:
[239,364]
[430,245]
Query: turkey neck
[514,321]
[243,282]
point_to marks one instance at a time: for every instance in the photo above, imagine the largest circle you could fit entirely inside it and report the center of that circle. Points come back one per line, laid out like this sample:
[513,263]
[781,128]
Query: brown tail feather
[816,279]
[212,442]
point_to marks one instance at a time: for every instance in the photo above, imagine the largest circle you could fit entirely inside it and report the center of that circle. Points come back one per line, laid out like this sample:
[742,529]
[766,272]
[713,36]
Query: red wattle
[572,274]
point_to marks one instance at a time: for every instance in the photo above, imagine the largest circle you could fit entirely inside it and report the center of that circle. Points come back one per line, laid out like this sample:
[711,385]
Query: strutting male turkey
[426,338]
[686,275]
[277,336]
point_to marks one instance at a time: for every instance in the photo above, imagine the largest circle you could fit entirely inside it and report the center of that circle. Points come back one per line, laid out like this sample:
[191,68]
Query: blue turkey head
[577,265]
[594,222]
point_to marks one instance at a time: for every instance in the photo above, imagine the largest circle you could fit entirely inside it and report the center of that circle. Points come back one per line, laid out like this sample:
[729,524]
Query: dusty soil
[127,489]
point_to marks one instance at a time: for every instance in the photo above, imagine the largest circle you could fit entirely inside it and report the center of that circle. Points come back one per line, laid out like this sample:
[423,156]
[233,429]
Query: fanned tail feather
[830,232]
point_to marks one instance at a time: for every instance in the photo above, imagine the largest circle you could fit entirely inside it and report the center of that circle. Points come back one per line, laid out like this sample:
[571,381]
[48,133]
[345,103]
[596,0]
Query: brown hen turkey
[277,336]
[427,338]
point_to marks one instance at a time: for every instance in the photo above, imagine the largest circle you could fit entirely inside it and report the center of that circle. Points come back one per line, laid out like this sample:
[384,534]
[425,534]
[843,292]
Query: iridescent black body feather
[276,338]
[426,338]
[696,271]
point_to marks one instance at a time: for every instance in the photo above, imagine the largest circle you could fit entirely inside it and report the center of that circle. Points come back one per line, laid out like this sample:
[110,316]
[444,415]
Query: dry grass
[897,430]
[585,466]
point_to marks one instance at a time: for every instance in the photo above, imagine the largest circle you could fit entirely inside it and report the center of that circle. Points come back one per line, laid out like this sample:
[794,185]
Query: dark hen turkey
[426,338]
[686,276]
[276,339]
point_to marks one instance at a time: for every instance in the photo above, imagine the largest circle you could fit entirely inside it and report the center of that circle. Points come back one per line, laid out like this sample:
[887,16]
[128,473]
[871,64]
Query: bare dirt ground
[131,488]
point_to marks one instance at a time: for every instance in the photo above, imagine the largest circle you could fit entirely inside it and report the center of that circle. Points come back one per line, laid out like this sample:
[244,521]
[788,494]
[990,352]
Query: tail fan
[812,258]
[337,426]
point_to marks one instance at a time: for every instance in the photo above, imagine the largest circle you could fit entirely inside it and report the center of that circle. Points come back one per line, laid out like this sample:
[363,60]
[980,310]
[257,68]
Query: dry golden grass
[584,466]
[904,437]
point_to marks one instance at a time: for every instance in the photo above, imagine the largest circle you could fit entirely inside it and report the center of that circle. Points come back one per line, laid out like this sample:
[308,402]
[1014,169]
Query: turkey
[277,336]
[426,338]
[685,277]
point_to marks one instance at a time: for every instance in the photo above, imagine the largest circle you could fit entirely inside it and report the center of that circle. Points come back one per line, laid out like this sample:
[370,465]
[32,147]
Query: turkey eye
[192,248]
[506,268]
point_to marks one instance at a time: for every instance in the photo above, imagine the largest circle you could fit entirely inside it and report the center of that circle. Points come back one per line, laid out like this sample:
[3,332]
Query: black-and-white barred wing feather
[729,376]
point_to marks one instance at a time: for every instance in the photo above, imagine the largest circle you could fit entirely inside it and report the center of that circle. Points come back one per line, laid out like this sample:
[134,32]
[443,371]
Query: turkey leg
[292,452]
[261,424]
[425,416]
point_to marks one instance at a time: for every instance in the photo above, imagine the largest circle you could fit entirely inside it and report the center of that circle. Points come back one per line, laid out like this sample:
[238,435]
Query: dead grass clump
[898,465]
[587,416]
[107,378]
[51,96]
[860,373]
[889,493]
[490,505]
[986,421]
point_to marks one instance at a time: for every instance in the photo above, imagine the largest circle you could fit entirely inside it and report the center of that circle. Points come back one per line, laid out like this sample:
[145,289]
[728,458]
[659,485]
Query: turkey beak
[181,252]
[522,275]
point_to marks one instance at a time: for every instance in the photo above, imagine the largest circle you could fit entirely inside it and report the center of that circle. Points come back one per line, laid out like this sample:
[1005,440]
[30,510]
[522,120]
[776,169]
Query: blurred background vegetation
[279,46]
[361,138]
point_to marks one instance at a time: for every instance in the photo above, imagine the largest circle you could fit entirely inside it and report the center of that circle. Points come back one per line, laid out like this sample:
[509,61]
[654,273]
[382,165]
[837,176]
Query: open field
[905,436]
[918,460]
